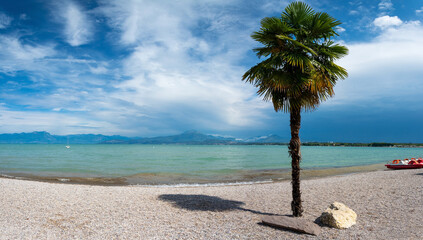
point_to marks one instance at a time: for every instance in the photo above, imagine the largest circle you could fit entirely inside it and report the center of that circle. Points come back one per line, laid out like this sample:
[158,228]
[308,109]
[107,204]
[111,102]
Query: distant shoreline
[311,144]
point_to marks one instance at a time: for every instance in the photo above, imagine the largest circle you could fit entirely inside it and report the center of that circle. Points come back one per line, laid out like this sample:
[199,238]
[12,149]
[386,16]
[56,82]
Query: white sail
[67,144]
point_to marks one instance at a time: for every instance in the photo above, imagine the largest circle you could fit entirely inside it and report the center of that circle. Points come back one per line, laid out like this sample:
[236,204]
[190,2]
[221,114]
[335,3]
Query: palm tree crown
[299,71]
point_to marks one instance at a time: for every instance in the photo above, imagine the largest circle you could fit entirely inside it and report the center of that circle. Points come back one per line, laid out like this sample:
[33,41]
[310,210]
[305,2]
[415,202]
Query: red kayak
[405,164]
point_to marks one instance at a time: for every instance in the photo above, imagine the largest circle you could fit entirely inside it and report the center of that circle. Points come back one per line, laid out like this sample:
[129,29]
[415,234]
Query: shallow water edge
[239,177]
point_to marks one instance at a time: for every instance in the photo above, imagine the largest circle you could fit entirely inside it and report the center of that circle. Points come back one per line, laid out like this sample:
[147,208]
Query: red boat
[405,164]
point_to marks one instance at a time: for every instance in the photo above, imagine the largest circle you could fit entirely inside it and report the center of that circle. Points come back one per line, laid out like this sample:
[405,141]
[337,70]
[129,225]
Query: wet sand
[389,205]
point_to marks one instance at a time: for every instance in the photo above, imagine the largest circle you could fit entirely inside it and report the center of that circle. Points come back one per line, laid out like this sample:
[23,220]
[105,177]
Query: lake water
[185,164]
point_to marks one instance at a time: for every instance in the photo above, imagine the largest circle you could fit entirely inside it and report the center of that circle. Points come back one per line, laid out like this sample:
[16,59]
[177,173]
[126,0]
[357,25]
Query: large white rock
[339,216]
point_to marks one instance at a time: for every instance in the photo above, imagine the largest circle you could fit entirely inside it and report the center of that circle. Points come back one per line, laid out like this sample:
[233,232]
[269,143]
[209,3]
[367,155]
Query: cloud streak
[4,20]
[78,27]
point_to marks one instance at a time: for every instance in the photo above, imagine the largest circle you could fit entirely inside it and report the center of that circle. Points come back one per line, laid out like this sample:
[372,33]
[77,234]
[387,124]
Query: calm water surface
[173,164]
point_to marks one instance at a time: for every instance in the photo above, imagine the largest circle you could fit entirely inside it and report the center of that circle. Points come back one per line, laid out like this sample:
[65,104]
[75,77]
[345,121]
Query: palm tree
[299,70]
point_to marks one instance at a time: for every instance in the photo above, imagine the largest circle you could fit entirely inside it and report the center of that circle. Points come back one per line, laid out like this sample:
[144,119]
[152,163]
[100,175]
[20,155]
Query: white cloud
[16,55]
[385,5]
[353,12]
[385,70]
[183,70]
[78,27]
[60,84]
[5,20]
[148,20]
[419,11]
[75,108]
[99,70]
[180,69]
[54,122]
[23,16]
[173,71]
[387,21]
[199,93]
[340,29]
[12,46]
[71,60]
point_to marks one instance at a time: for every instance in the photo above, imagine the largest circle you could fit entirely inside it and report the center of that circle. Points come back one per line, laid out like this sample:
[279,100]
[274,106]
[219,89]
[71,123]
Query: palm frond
[322,25]
[296,14]
[296,43]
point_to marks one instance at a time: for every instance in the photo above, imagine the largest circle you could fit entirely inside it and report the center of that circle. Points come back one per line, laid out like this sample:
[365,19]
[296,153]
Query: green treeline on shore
[375,144]
[342,144]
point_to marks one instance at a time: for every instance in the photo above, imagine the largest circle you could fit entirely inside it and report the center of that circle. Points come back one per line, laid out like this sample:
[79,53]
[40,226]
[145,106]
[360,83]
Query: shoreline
[388,205]
[242,177]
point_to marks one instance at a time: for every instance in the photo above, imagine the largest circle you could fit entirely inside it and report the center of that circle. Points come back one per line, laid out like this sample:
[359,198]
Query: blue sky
[149,68]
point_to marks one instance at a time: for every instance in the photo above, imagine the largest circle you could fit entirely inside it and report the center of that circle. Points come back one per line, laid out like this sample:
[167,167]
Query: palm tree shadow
[206,203]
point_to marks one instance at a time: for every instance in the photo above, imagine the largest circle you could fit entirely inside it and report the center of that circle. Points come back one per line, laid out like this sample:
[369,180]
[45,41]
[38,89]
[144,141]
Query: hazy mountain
[267,139]
[34,137]
[45,137]
[188,137]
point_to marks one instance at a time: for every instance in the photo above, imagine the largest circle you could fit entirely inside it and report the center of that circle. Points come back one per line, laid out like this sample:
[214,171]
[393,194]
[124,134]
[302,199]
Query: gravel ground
[389,205]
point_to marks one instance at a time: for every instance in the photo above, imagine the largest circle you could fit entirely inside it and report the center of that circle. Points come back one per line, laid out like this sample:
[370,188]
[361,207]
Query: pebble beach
[389,205]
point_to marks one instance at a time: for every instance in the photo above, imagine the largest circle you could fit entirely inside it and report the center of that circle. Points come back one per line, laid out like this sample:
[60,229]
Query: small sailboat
[67,144]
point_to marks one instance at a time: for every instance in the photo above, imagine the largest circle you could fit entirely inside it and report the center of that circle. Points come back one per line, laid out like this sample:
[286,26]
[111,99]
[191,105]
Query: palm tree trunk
[294,151]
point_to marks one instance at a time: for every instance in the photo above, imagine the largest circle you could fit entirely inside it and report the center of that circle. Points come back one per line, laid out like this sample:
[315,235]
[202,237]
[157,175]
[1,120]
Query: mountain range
[188,137]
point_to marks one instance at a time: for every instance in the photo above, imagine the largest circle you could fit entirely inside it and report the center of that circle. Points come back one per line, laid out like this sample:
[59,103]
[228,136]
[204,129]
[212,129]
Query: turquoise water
[181,163]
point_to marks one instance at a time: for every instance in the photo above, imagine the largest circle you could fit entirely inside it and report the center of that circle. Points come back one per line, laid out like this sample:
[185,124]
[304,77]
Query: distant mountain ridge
[46,138]
[266,139]
[188,137]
